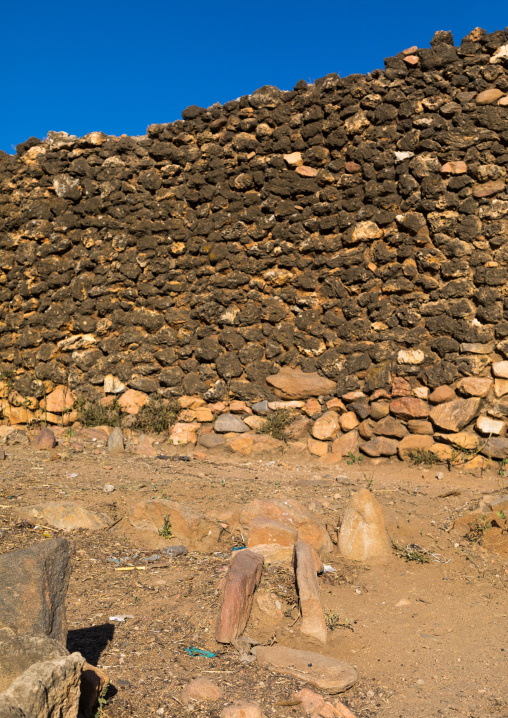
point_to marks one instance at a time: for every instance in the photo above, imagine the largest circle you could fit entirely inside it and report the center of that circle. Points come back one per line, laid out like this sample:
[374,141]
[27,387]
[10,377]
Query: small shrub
[333,621]
[92,413]
[157,415]
[412,552]
[277,423]
[165,531]
[478,528]
[352,459]
[420,457]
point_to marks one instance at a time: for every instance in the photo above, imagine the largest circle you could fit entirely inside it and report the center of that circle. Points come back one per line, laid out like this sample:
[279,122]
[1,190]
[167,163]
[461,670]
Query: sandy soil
[427,639]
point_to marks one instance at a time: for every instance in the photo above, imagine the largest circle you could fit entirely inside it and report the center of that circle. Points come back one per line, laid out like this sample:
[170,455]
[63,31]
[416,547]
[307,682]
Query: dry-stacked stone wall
[354,231]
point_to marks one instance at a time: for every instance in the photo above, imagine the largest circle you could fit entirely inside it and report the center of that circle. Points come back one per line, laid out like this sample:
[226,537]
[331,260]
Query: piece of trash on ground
[193,651]
[121,617]
[329,569]
[131,568]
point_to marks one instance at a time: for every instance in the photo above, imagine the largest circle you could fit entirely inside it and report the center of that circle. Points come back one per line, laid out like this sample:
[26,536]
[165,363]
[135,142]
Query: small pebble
[440,475]
[108,488]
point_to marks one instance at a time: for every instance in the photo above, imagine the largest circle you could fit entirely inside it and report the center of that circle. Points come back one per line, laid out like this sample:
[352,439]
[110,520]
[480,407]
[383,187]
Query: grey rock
[230,423]
[211,441]
[115,441]
[34,585]
[260,407]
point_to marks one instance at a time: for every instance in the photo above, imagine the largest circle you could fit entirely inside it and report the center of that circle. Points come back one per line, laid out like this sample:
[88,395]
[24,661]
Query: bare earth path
[427,639]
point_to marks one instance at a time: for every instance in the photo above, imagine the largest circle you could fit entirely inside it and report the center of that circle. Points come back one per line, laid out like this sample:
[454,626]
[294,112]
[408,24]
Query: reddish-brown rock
[316,447]
[420,426]
[44,440]
[348,421]
[242,578]
[442,394]
[454,415]
[242,709]
[488,97]
[400,387]
[64,515]
[409,407]
[272,539]
[455,167]
[132,401]
[346,444]
[59,401]
[295,384]
[488,189]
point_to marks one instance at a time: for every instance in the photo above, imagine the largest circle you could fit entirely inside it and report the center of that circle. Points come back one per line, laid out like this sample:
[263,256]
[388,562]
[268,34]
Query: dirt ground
[427,639]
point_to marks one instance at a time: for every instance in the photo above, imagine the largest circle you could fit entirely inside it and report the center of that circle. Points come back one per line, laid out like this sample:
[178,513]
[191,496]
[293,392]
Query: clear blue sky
[120,66]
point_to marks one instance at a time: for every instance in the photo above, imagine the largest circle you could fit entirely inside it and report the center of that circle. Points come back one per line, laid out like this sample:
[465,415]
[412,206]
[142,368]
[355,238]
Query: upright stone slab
[243,576]
[363,535]
[34,583]
[313,617]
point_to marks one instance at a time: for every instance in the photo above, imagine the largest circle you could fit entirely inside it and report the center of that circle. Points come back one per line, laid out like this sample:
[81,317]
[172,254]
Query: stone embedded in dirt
[17,438]
[316,447]
[313,618]
[444,452]
[211,440]
[420,426]
[132,401]
[145,447]
[272,539]
[200,689]
[291,513]
[379,446]
[348,421]
[45,690]
[226,423]
[34,584]
[412,444]
[262,443]
[454,415]
[296,384]
[315,705]
[182,434]
[59,400]
[500,369]
[194,530]
[2,455]
[346,444]
[242,709]
[389,426]
[409,407]
[327,426]
[64,515]
[488,97]
[487,425]
[240,444]
[269,604]
[241,581]
[442,394]
[115,441]
[324,672]
[363,534]
[44,440]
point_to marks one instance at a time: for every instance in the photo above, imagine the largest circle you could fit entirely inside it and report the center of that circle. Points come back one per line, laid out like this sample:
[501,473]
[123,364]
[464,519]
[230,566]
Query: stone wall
[354,229]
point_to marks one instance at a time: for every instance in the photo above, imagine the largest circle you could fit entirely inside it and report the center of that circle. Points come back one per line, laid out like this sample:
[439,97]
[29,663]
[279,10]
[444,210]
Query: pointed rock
[313,617]
[241,581]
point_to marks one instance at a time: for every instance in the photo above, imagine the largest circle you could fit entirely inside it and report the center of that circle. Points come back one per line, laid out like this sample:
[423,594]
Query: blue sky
[120,66]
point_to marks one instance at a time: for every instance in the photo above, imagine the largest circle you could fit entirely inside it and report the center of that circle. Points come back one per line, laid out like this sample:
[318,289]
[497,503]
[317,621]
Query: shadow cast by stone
[90,641]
